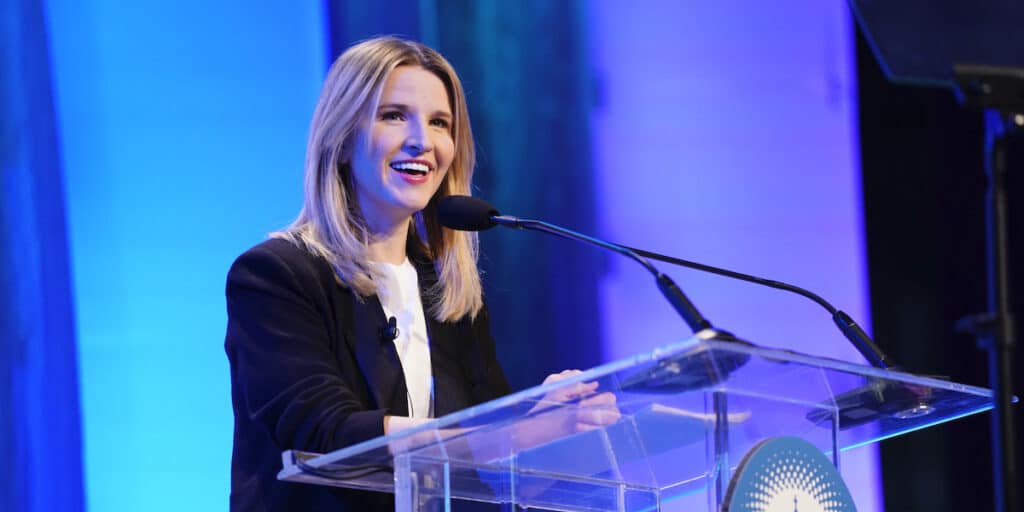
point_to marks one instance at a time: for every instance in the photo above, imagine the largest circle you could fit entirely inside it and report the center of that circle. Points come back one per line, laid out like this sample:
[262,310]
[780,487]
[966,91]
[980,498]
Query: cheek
[383,144]
[447,149]
[442,177]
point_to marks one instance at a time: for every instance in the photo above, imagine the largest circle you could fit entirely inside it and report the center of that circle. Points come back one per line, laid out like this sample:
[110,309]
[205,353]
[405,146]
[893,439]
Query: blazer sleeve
[489,381]
[279,347]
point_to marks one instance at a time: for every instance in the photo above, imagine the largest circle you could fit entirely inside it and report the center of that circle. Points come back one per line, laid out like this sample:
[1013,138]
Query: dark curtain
[924,189]
[525,70]
[40,442]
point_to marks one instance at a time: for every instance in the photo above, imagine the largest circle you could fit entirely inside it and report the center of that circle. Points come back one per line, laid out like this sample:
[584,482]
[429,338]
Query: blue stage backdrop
[40,444]
[183,128]
[717,131]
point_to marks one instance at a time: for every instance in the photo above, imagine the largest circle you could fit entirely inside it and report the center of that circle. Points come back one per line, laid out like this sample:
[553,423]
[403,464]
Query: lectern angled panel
[684,417]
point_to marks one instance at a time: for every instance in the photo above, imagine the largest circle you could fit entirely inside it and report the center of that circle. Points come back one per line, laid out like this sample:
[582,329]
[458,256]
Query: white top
[400,296]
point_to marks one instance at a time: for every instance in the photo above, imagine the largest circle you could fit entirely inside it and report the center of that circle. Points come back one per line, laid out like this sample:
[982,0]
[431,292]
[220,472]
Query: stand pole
[1000,339]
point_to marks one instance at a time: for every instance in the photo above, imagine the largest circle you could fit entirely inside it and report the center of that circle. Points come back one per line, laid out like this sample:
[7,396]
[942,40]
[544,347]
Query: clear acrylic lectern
[687,413]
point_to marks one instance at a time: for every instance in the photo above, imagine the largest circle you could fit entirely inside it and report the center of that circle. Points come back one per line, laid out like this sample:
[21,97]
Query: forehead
[415,86]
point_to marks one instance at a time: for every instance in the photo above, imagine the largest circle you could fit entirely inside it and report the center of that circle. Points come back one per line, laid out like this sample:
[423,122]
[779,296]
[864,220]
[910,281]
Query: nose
[418,139]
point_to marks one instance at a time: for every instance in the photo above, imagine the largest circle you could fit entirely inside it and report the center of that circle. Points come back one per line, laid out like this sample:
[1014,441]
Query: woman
[365,316]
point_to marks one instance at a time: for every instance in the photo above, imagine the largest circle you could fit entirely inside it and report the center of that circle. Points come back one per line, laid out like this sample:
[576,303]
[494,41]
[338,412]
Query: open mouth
[411,168]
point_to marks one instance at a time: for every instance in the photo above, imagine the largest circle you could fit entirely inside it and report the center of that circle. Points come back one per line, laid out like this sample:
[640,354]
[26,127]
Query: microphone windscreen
[465,213]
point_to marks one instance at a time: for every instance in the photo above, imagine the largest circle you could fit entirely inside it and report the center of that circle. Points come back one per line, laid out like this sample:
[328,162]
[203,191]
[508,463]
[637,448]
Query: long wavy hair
[331,225]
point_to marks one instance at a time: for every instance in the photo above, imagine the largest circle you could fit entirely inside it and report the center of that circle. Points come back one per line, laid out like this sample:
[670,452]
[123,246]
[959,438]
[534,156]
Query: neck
[387,243]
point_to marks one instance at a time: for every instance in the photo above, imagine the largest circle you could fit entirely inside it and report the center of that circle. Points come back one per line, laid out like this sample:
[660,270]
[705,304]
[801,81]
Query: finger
[582,389]
[573,392]
[564,374]
[599,400]
[599,416]
[597,419]
[570,392]
[583,393]
[586,427]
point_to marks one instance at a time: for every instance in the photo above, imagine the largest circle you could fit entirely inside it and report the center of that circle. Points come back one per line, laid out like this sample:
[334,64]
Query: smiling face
[401,158]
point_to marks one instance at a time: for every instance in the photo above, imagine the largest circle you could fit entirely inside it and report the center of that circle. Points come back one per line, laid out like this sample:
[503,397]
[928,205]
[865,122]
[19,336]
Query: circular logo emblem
[787,474]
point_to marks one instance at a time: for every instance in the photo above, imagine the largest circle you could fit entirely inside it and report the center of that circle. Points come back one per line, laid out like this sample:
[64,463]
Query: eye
[440,123]
[392,115]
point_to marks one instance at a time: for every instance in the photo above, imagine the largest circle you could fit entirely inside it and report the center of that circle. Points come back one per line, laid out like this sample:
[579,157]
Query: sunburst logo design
[787,474]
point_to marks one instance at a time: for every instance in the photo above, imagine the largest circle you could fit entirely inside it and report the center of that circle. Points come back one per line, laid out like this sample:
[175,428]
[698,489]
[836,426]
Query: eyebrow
[403,107]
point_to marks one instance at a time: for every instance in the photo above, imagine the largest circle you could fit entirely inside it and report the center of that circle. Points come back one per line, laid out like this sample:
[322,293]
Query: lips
[412,167]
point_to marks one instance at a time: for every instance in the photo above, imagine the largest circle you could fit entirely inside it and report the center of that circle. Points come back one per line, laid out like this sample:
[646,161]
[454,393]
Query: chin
[415,206]
[418,202]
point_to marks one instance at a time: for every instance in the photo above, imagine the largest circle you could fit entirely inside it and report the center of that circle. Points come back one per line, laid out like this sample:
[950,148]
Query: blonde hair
[330,224]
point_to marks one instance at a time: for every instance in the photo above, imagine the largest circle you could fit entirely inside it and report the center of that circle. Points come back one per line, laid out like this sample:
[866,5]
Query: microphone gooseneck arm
[847,325]
[675,296]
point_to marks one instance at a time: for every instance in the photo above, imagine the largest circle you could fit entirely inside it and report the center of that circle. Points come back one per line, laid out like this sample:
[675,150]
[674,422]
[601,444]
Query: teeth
[410,166]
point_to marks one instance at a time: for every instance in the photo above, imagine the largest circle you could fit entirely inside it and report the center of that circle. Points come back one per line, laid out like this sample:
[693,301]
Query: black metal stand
[999,92]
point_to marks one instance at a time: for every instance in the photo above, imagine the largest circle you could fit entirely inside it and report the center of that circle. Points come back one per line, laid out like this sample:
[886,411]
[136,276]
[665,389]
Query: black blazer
[312,370]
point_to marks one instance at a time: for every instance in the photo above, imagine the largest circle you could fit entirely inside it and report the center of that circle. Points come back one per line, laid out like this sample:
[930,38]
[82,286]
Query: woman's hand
[560,413]
[594,410]
[396,424]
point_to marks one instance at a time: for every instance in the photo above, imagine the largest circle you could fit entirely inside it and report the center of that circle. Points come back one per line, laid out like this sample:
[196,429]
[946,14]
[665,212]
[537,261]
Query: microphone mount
[853,332]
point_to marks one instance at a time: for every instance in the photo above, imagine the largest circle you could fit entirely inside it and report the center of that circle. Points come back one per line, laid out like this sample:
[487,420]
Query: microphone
[472,214]
[390,331]
[874,401]
[465,213]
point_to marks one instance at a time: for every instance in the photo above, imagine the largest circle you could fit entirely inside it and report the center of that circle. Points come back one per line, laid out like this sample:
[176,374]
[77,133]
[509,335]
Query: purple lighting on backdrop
[726,133]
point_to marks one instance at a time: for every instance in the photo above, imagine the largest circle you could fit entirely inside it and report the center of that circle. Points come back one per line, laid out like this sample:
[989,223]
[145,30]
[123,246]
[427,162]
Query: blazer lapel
[377,356]
[378,359]
[441,341]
